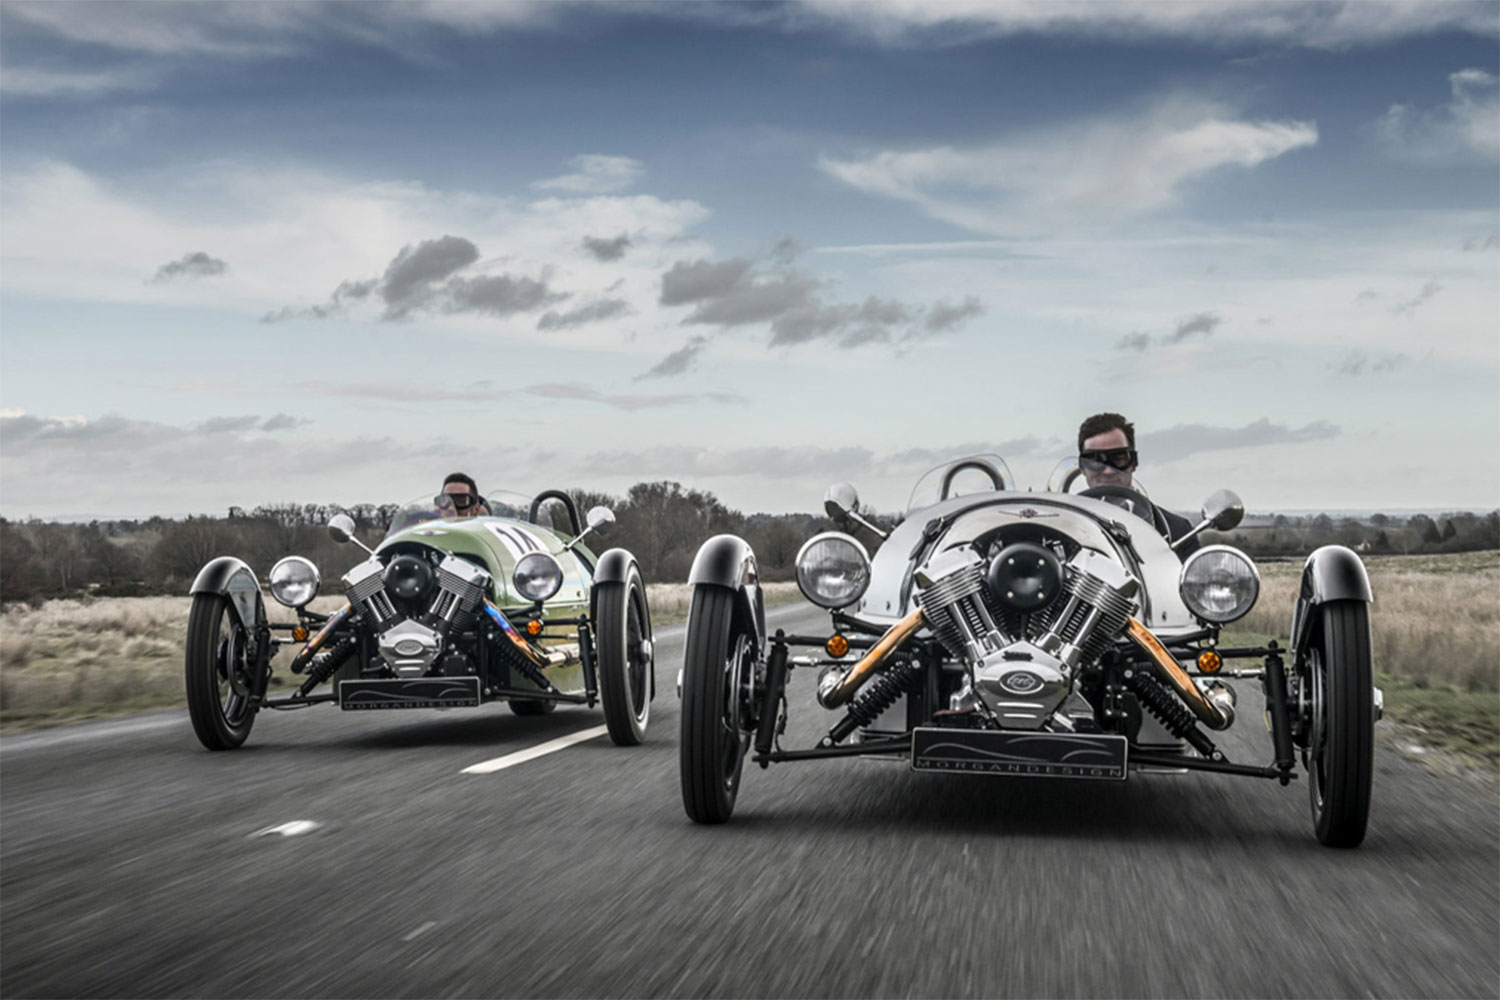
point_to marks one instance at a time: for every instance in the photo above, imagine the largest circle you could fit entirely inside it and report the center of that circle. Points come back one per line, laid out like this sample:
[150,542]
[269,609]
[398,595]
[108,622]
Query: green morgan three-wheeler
[447,612]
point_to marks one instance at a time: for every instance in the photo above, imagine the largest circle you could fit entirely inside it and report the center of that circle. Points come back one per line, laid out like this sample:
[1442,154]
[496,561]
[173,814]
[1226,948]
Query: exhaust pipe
[1215,709]
[836,687]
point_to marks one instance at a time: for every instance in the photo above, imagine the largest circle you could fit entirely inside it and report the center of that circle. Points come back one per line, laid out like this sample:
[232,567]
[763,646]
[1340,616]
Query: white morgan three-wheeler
[1045,634]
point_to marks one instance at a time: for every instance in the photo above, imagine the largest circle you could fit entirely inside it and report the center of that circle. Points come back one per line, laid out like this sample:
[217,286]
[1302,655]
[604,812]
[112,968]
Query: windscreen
[961,477]
[440,507]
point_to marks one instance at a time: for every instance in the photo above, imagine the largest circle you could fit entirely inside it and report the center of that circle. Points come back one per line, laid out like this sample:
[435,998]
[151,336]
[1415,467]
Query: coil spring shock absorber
[324,664]
[879,695]
[521,665]
[1172,713]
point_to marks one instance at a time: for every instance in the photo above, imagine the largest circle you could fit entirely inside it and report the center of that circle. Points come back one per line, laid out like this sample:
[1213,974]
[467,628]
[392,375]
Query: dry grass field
[1435,628]
[1436,624]
[82,659]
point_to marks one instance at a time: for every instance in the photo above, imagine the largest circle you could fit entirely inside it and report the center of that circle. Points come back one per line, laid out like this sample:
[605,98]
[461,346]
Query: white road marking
[420,931]
[540,750]
[295,828]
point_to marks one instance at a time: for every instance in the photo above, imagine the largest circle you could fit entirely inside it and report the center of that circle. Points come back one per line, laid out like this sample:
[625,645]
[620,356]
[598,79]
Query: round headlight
[294,581]
[1219,584]
[833,570]
[537,576]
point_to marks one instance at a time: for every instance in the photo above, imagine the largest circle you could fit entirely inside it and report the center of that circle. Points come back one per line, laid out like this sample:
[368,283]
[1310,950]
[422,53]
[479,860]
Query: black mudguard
[231,578]
[612,567]
[728,561]
[1331,573]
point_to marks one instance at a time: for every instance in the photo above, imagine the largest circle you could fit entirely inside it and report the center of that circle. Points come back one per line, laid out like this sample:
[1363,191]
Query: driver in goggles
[460,498]
[1107,457]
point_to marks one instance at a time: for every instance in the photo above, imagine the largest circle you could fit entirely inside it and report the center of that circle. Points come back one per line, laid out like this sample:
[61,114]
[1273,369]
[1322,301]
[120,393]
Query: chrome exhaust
[1214,712]
[835,687]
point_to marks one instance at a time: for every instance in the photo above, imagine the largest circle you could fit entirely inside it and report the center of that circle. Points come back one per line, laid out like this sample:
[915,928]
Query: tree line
[662,523]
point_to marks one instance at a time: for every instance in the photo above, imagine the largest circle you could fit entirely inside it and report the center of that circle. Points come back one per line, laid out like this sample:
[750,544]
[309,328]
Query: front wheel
[717,693]
[1339,679]
[219,670]
[627,661]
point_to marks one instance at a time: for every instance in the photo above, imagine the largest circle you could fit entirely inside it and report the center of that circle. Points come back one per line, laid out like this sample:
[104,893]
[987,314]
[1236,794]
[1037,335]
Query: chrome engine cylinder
[1021,683]
[461,587]
[951,598]
[410,646]
[365,586]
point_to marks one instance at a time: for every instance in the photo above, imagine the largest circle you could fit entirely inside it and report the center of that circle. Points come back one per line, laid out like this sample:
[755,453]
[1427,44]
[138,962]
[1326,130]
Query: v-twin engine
[411,643]
[1021,682]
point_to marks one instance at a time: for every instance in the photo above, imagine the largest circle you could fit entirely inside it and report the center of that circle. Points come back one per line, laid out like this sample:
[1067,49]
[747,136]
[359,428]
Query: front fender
[232,578]
[728,561]
[1331,573]
[613,567]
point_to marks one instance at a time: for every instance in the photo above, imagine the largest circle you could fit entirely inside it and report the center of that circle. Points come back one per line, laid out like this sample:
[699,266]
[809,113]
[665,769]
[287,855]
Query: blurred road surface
[128,867]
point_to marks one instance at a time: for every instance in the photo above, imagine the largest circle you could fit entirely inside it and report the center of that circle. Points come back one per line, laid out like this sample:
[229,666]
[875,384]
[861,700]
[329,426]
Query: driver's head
[1106,450]
[460,497]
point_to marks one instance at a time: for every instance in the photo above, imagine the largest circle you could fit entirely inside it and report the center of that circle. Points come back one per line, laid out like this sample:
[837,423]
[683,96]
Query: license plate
[409,692]
[1020,754]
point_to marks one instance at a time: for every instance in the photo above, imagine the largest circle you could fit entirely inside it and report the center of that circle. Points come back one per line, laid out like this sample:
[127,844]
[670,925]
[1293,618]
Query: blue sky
[254,253]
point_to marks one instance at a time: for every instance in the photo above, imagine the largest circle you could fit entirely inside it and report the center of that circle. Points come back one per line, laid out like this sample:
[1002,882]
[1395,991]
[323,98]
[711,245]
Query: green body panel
[499,542]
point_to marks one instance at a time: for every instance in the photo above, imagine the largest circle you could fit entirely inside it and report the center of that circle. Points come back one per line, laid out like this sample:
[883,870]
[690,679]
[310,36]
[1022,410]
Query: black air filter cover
[1024,577]
[409,577]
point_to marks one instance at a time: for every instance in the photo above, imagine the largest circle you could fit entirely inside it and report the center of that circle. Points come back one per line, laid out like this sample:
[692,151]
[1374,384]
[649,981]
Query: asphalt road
[128,867]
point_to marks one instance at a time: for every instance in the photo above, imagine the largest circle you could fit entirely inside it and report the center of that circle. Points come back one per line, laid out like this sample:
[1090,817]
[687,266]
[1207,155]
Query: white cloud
[1097,171]
[1466,128]
[294,236]
[402,27]
[30,81]
[267,29]
[595,173]
[1293,23]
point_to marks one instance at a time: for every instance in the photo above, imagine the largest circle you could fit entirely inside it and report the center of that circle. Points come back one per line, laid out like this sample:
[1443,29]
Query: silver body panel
[1094,524]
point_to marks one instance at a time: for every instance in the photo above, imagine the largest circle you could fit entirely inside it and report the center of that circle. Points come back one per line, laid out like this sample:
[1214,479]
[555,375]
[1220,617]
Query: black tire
[532,706]
[716,726]
[1341,737]
[219,671]
[627,658]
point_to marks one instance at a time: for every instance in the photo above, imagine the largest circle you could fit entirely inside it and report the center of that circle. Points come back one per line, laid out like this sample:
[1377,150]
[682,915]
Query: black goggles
[463,501]
[1123,459]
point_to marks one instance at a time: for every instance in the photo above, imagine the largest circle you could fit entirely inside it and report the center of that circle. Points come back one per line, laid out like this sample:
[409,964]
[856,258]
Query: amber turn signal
[836,646]
[534,627]
[1209,662]
[300,633]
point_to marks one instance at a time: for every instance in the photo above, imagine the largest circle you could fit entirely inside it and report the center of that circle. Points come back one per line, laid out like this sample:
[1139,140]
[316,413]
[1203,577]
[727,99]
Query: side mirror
[594,518]
[341,527]
[841,501]
[1224,510]
[841,504]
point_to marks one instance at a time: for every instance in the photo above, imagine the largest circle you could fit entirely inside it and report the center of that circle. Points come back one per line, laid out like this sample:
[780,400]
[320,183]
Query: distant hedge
[662,523]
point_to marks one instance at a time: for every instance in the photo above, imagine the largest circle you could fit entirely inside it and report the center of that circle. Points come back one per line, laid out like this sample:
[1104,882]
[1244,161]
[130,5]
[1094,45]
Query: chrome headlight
[1219,584]
[537,576]
[833,570]
[294,581]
